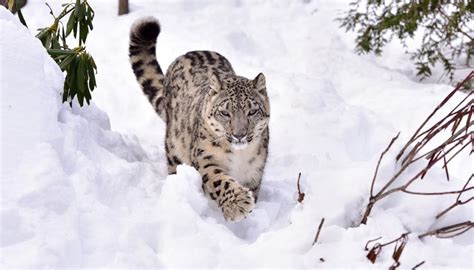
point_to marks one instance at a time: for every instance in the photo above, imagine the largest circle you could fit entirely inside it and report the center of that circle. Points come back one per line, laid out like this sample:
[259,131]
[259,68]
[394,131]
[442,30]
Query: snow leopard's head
[238,109]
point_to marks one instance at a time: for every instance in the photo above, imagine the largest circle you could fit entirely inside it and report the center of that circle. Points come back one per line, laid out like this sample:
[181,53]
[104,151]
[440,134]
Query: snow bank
[65,176]
[80,190]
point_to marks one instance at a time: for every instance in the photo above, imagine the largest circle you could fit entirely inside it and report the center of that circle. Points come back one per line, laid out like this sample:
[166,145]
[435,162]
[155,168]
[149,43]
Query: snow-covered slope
[80,190]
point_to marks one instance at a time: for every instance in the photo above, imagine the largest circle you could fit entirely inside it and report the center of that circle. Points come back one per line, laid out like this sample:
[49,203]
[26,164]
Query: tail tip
[146,29]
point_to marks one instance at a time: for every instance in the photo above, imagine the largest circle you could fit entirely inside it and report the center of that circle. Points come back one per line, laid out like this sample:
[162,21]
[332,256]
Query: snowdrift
[78,193]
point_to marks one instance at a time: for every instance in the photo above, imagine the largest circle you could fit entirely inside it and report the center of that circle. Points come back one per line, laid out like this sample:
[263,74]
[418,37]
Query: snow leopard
[216,121]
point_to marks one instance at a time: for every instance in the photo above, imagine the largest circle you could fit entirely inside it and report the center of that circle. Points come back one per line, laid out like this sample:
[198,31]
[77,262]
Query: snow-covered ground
[88,187]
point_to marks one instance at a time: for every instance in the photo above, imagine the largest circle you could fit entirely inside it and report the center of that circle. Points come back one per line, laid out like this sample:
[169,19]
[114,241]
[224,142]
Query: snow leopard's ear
[259,84]
[214,84]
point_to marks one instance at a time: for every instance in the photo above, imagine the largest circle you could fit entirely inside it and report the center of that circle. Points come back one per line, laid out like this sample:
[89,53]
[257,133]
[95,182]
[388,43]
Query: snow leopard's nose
[239,125]
[239,136]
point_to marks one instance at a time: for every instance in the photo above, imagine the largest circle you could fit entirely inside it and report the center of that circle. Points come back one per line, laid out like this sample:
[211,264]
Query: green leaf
[423,70]
[80,98]
[88,97]
[47,43]
[70,24]
[90,71]
[71,73]
[55,42]
[89,18]
[65,91]
[79,10]
[74,28]
[86,73]
[82,12]
[83,32]
[20,15]
[78,3]
[92,84]
[93,63]
[56,52]
[63,37]
[43,35]
[42,32]
[65,64]
[89,8]
[80,77]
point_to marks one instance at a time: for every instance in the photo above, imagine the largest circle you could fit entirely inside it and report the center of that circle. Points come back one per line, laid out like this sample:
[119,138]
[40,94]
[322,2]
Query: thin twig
[441,11]
[378,163]
[414,137]
[319,231]
[437,193]
[443,152]
[373,198]
[370,241]
[377,248]
[458,199]
[445,166]
[447,142]
[455,154]
[398,249]
[457,203]
[418,265]
[404,235]
[300,194]
[458,229]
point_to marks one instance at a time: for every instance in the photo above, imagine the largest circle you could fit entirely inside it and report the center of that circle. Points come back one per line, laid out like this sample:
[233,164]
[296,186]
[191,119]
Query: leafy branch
[447,34]
[78,64]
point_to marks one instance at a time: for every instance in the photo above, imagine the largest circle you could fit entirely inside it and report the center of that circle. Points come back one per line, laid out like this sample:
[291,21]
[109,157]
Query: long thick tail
[142,55]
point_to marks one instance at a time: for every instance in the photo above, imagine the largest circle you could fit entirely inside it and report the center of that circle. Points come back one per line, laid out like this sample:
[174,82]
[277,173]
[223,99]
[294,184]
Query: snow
[88,187]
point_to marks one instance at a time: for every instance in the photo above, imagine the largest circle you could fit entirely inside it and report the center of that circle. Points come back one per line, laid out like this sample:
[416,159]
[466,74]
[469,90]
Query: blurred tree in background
[123,7]
[445,28]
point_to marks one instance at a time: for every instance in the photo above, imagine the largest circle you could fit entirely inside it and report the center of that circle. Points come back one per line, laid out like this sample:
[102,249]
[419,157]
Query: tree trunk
[123,7]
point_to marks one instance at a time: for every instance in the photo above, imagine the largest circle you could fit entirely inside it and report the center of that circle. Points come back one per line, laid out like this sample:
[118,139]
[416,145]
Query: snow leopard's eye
[253,112]
[224,113]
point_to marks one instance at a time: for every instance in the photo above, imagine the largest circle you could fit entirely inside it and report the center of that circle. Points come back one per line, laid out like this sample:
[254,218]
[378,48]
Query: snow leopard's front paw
[237,204]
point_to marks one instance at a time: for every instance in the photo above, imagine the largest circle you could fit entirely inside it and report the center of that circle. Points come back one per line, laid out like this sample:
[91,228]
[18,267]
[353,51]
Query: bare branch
[400,243]
[437,193]
[457,203]
[300,194]
[378,163]
[319,231]
[415,135]
[370,241]
[422,148]
[450,231]
[418,265]
[458,199]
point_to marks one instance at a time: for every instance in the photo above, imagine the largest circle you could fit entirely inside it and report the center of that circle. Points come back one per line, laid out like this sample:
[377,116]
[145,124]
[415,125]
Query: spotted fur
[216,121]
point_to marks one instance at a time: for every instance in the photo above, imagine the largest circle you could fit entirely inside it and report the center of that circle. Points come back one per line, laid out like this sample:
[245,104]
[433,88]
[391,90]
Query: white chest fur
[244,164]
